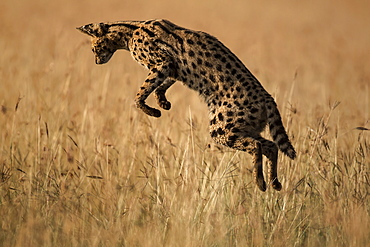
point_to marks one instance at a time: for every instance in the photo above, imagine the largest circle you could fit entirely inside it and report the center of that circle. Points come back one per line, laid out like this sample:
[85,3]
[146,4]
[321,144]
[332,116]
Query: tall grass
[81,166]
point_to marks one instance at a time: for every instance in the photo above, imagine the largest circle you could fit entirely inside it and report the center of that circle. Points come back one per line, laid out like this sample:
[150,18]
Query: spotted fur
[239,106]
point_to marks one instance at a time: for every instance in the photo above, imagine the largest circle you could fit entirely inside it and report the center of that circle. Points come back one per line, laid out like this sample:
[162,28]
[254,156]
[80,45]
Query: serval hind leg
[258,168]
[254,148]
[270,150]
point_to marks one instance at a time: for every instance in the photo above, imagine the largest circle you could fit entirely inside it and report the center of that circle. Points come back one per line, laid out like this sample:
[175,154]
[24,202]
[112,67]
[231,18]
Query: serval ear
[94,29]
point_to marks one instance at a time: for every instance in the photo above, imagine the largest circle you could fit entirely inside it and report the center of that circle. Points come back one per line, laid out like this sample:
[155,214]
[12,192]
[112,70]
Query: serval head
[100,42]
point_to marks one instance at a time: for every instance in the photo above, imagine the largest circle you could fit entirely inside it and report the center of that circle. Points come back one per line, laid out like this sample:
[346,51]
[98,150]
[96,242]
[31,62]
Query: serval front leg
[155,78]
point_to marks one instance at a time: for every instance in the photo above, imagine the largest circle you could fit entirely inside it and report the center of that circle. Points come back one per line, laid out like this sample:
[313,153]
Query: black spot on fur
[231,140]
[208,64]
[214,133]
[220,131]
[229,125]
[190,42]
[253,110]
[218,56]
[230,113]
[220,117]
[235,130]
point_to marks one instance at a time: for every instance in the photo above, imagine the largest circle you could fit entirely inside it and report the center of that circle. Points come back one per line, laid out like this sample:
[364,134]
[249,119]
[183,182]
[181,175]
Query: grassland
[81,166]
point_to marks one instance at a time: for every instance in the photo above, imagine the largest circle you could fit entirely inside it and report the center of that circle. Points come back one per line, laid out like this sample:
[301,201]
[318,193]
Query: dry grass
[81,166]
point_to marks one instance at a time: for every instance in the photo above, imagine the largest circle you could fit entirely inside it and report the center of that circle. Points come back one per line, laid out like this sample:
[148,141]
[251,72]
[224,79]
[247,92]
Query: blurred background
[318,42]
[81,166]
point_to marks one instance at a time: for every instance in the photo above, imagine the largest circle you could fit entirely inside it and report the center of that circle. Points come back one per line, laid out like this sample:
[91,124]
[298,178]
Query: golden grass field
[81,166]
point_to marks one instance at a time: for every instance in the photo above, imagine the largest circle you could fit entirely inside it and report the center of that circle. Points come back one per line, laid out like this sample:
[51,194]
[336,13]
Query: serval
[239,107]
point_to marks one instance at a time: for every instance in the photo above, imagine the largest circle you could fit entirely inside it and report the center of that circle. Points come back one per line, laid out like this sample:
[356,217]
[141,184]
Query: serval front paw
[162,101]
[165,104]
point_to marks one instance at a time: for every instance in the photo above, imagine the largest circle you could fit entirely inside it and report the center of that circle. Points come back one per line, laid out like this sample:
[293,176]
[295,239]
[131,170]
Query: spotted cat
[239,107]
